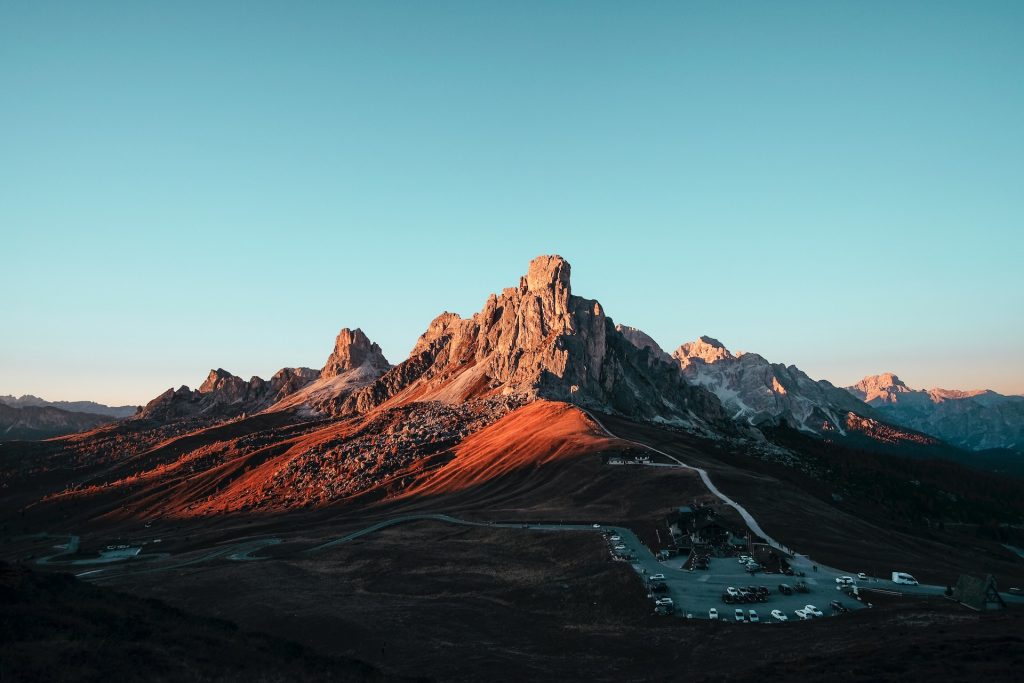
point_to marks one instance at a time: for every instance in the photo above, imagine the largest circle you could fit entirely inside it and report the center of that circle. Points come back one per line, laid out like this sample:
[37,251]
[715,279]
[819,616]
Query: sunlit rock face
[353,349]
[977,419]
[539,340]
[757,391]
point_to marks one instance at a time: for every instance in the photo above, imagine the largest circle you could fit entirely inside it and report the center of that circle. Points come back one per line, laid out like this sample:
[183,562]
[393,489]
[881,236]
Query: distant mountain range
[30,417]
[977,420]
[28,400]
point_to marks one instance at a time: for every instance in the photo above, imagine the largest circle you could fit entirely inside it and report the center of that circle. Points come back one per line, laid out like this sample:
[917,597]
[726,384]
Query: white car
[779,615]
[664,601]
[615,538]
[813,611]
[620,547]
[862,576]
[597,526]
[713,614]
[731,592]
[845,580]
[739,614]
[753,617]
[802,614]
[657,577]
[744,559]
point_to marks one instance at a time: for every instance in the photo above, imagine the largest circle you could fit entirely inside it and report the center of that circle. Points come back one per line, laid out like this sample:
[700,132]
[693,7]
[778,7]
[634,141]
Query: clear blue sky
[187,185]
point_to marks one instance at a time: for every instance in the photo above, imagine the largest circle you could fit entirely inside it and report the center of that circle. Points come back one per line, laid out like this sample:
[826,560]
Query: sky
[192,185]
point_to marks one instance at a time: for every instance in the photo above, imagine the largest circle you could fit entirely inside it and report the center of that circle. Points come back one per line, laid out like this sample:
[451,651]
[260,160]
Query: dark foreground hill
[56,628]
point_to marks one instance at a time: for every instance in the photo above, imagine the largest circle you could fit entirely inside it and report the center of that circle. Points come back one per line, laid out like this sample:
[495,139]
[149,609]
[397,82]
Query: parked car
[801,587]
[657,577]
[844,580]
[753,616]
[739,614]
[664,601]
[813,611]
[779,615]
[862,576]
[732,591]
[728,599]
[616,538]
[802,614]
[713,614]
[743,559]
[785,589]
[837,606]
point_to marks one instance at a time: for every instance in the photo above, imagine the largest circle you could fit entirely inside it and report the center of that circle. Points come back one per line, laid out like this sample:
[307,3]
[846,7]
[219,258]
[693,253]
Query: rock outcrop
[538,340]
[353,349]
[759,392]
[976,420]
[354,363]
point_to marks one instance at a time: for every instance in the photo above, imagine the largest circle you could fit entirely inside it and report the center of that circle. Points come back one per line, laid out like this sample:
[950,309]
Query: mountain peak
[706,349]
[352,349]
[551,271]
[215,379]
[642,340]
[881,388]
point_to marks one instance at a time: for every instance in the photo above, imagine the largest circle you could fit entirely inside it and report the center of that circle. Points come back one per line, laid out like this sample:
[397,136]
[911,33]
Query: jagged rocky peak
[353,349]
[539,340]
[760,392]
[883,388]
[642,340]
[706,349]
[219,380]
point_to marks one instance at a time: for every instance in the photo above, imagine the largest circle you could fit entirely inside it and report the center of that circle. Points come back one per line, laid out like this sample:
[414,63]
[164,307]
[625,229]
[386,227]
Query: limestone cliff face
[538,340]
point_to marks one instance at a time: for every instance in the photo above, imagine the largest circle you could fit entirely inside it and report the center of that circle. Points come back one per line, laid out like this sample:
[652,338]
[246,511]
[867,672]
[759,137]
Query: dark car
[785,589]
[838,606]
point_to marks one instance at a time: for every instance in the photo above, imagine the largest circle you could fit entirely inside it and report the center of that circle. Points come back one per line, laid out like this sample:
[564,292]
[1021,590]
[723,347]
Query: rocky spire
[353,349]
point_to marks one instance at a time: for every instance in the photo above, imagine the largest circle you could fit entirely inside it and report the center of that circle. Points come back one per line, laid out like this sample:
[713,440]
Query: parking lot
[695,592]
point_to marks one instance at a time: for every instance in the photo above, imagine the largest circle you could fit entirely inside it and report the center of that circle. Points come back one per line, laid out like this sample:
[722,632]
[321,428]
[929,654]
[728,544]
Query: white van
[904,578]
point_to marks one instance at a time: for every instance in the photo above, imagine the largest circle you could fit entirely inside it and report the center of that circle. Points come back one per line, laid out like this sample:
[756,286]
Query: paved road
[747,517]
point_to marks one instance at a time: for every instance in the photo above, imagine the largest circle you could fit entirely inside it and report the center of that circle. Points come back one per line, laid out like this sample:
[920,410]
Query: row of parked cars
[751,616]
[748,594]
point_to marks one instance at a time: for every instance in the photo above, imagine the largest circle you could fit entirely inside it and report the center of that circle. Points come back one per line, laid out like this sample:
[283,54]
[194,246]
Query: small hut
[978,593]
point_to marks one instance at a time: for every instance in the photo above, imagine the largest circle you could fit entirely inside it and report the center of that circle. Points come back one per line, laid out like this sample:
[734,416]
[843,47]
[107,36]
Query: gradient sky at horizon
[192,185]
